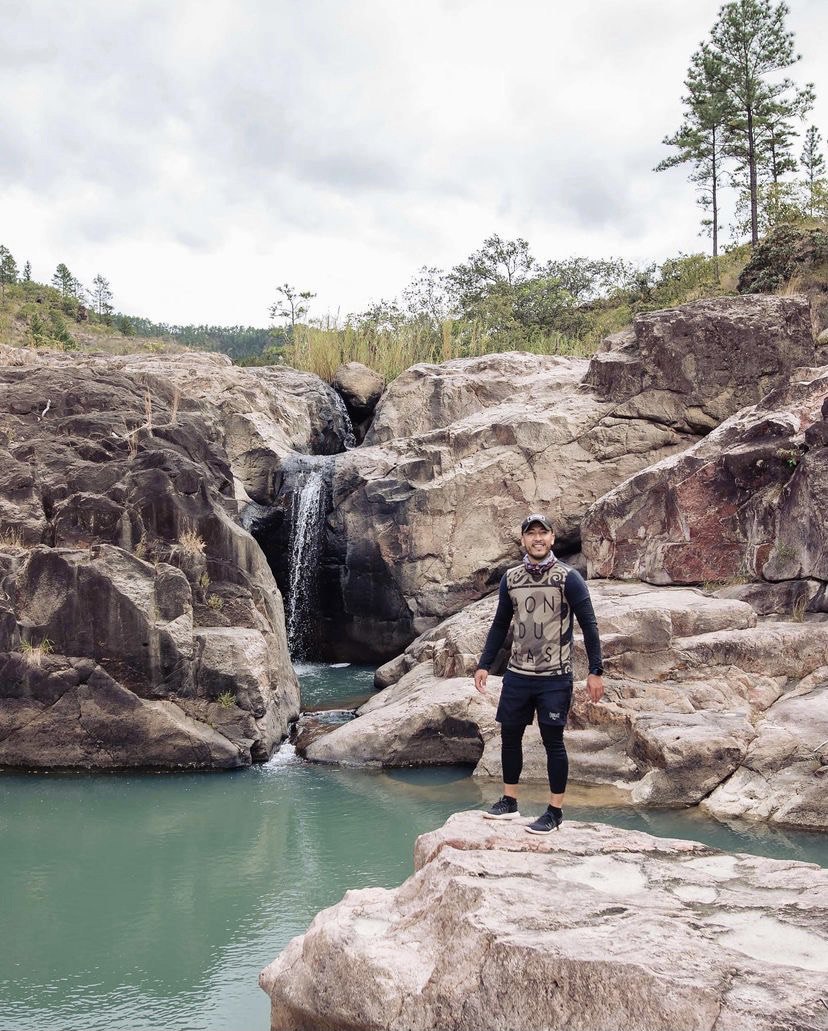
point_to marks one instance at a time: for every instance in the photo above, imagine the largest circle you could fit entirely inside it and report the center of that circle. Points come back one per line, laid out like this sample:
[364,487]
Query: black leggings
[511,753]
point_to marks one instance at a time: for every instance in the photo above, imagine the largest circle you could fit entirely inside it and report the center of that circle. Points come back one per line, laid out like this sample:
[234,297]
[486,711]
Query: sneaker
[504,809]
[546,822]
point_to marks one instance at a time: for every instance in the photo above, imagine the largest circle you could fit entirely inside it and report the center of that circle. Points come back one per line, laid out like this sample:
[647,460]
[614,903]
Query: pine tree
[63,280]
[8,270]
[750,42]
[101,295]
[293,304]
[700,138]
[27,273]
[813,161]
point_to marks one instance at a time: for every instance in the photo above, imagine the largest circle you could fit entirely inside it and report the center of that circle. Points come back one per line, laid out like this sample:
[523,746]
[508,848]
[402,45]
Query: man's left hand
[595,687]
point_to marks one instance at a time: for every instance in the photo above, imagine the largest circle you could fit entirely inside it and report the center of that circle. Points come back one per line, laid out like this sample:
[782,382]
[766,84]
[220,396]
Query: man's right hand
[480,678]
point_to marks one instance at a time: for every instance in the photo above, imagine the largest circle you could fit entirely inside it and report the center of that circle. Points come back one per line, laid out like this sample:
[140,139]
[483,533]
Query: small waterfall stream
[306,541]
[349,440]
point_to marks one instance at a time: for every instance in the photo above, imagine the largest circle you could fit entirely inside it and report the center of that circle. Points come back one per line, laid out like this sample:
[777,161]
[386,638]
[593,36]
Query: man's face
[537,542]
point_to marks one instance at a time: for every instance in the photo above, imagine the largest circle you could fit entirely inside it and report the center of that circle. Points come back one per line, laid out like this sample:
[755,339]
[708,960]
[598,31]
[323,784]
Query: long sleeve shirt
[542,607]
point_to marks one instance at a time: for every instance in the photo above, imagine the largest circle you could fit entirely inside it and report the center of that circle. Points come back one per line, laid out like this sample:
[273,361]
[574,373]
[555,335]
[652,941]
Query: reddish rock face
[747,502]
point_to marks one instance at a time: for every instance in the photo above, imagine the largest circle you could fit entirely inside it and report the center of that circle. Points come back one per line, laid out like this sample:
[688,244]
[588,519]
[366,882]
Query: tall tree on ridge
[813,161]
[27,273]
[101,295]
[63,280]
[750,42]
[700,138]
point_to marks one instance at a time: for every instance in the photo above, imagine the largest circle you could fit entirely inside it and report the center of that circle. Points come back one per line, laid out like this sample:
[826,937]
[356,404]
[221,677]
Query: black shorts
[521,697]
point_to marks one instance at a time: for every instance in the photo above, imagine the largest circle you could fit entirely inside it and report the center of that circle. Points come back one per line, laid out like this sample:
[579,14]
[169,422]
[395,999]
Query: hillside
[545,314]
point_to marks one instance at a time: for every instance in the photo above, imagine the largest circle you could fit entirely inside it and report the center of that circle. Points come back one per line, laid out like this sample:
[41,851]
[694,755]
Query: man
[540,595]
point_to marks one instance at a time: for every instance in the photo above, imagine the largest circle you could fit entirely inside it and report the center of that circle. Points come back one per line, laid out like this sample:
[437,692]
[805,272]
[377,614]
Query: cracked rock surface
[425,512]
[591,927]
[704,702]
[744,508]
[140,625]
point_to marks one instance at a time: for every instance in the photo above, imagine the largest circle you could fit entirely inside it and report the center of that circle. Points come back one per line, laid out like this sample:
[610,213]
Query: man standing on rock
[540,595]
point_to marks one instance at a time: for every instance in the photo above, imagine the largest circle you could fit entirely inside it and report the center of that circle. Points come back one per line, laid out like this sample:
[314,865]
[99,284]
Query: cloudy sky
[200,152]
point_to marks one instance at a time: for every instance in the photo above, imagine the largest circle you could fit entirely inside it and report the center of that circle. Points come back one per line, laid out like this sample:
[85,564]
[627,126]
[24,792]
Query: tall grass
[389,351]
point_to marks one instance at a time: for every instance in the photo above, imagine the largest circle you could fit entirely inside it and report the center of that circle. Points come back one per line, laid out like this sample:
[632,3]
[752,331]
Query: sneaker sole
[504,816]
[534,830]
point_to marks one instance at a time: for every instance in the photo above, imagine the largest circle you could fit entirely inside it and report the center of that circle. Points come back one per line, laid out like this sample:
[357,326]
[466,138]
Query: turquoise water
[152,901]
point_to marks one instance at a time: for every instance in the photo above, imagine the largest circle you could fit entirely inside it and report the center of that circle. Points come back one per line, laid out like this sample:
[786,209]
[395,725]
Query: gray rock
[359,387]
[128,590]
[695,365]
[596,927]
[426,513]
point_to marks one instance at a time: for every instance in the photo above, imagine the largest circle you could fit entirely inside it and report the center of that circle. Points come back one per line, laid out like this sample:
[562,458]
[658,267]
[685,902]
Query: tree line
[739,124]
[98,296]
[503,293]
[79,302]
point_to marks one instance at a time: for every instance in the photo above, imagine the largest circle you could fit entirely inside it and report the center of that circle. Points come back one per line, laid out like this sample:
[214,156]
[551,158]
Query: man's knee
[552,738]
[512,733]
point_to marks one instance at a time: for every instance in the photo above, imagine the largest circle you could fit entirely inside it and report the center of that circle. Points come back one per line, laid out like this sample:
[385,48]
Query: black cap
[536,517]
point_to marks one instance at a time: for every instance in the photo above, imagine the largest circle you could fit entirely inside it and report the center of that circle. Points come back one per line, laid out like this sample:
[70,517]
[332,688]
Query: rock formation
[695,365]
[702,703]
[592,927]
[140,624]
[425,512]
[360,388]
[746,503]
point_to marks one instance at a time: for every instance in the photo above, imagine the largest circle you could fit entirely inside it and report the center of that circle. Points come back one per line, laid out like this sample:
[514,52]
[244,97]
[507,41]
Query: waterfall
[349,440]
[307,537]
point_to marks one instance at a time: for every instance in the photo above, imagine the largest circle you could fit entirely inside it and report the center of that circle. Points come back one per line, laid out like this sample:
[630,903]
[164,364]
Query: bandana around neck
[536,568]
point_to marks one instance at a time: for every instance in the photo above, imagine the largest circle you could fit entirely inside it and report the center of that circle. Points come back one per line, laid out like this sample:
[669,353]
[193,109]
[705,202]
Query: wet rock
[593,927]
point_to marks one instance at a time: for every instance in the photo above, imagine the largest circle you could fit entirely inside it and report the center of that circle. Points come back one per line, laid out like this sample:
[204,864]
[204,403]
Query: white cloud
[200,153]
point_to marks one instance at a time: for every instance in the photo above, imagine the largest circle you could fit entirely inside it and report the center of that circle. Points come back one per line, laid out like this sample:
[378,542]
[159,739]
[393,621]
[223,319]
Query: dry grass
[11,539]
[191,542]
[216,602]
[321,350]
[33,653]
[793,287]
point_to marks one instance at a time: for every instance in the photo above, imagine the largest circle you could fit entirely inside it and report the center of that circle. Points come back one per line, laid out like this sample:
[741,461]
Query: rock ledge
[592,928]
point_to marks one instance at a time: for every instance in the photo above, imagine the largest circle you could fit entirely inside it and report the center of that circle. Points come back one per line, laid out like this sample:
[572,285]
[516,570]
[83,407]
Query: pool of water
[152,901]
[344,685]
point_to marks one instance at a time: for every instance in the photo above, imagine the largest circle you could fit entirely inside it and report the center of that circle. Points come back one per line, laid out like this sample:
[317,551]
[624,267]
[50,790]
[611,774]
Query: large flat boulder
[592,927]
